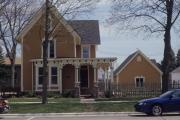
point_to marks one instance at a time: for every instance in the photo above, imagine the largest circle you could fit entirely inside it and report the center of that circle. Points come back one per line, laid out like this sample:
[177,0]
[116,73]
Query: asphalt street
[90,117]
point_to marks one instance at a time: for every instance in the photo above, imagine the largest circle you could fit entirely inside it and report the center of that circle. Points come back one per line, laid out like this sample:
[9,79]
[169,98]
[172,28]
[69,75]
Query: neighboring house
[138,71]
[5,77]
[175,78]
[72,61]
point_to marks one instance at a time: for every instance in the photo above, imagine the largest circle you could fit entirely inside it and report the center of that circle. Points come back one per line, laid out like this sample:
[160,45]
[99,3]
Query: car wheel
[156,110]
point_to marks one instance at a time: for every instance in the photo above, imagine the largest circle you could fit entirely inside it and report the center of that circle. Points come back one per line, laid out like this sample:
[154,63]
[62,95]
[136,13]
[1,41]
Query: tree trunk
[168,52]
[166,61]
[12,75]
[12,61]
[45,55]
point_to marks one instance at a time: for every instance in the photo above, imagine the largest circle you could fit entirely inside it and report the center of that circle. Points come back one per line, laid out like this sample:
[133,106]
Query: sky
[120,44]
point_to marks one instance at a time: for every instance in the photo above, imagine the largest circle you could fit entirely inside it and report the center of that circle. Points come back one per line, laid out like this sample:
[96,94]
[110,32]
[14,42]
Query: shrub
[68,93]
[108,94]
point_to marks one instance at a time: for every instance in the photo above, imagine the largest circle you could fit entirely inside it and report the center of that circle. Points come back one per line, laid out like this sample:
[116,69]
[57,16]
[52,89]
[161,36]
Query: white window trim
[87,46]
[50,81]
[139,77]
[49,77]
[37,77]
[54,40]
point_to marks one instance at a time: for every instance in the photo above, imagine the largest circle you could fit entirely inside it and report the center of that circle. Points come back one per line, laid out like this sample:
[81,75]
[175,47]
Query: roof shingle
[88,30]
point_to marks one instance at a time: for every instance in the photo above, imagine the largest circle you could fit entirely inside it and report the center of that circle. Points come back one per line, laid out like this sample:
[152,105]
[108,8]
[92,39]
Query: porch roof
[77,61]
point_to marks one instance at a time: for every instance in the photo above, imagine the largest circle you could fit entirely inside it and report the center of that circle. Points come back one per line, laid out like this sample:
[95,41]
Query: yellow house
[138,71]
[72,60]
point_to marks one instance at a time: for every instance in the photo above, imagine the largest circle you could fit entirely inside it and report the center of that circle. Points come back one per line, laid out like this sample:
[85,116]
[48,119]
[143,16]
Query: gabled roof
[125,62]
[130,58]
[38,15]
[177,70]
[88,30]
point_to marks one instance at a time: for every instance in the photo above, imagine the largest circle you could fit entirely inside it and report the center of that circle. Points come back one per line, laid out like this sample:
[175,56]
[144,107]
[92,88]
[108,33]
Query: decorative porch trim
[76,61]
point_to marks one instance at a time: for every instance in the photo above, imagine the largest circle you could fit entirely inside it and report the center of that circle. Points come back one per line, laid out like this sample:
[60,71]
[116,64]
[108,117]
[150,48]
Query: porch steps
[86,99]
[85,96]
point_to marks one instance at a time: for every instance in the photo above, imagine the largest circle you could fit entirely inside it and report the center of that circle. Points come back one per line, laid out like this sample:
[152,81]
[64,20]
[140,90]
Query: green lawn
[71,107]
[39,100]
[65,105]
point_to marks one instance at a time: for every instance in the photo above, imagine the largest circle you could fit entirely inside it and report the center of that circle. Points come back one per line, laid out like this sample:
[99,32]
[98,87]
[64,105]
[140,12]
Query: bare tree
[3,3]
[70,9]
[153,16]
[178,58]
[12,20]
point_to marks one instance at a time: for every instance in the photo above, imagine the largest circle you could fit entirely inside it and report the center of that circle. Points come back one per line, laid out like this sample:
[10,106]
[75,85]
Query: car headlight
[142,103]
[6,101]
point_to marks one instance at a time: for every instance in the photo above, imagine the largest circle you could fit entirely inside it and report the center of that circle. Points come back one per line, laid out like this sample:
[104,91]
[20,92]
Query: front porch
[76,74]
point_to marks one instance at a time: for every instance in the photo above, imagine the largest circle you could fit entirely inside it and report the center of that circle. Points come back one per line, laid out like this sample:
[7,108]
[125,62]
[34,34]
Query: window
[176,94]
[50,23]
[51,49]
[139,59]
[139,81]
[54,75]
[40,75]
[85,52]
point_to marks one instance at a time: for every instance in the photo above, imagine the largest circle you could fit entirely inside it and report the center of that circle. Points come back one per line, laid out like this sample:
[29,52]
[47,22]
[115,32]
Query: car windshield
[166,94]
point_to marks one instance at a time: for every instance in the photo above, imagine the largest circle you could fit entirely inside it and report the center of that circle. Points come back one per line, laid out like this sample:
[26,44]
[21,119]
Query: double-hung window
[51,49]
[54,80]
[51,52]
[85,52]
[139,82]
[40,75]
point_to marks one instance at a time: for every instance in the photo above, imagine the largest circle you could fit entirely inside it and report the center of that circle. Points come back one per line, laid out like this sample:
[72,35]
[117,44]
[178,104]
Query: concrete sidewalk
[74,114]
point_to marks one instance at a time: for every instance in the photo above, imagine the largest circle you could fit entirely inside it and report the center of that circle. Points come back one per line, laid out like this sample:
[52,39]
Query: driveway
[90,117]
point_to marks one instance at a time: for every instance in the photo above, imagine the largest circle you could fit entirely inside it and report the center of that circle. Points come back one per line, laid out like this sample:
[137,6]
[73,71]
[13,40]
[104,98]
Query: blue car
[167,102]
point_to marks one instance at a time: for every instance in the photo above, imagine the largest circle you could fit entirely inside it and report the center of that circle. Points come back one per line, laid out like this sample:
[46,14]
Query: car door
[175,100]
[172,103]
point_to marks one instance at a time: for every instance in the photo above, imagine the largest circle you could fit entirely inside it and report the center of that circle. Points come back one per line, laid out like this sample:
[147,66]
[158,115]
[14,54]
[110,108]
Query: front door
[84,80]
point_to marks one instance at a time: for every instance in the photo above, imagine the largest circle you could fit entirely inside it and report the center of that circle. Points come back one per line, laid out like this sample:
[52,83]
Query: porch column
[106,78]
[95,75]
[111,79]
[77,82]
[60,78]
[95,81]
[112,75]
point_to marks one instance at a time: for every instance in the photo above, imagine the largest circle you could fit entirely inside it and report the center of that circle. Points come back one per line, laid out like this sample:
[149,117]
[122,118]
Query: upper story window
[51,49]
[139,82]
[85,51]
[139,59]
[50,23]
[51,52]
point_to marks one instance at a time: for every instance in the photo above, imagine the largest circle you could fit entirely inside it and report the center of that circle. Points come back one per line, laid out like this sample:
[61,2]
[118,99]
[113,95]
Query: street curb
[73,114]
